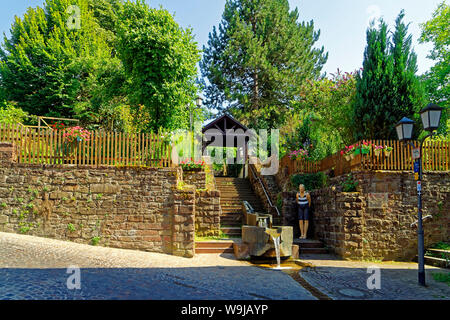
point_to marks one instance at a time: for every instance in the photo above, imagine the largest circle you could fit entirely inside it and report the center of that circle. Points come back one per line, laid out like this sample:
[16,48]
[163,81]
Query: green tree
[257,59]
[387,88]
[437,80]
[160,61]
[45,64]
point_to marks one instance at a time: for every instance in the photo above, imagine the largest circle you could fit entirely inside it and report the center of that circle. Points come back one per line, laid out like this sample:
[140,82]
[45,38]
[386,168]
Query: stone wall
[207,214]
[195,178]
[130,208]
[375,222]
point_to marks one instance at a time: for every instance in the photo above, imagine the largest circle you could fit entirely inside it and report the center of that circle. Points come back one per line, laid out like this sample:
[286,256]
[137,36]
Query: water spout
[276,238]
[276,242]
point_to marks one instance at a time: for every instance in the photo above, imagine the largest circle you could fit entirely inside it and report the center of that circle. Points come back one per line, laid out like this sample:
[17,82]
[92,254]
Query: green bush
[311,181]
[9,114]
[349,184]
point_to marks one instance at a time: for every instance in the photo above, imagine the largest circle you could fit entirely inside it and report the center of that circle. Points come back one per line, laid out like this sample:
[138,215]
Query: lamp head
[431,116]
[404,129]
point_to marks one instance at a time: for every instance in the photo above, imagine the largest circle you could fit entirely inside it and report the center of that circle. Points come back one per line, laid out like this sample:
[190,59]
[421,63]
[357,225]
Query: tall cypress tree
[387,87]
[257,60]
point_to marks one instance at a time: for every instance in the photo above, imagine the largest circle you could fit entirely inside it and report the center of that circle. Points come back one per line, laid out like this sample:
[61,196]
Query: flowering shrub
[377,150]
[77,133]
[298,154]
[366,147]
[387,151]
[348,150]
[189,165]
[375,147]
[57,126]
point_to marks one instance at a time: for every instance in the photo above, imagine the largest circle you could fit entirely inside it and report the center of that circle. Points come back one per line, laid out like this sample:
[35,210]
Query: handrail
[264,189]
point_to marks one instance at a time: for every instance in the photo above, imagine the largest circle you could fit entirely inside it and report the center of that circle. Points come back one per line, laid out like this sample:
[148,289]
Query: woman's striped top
[302,200]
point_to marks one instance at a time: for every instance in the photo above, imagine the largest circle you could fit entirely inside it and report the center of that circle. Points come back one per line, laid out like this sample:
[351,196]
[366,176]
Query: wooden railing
[102,148]
[436,157]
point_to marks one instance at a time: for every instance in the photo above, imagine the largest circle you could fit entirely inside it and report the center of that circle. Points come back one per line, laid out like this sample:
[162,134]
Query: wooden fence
[48,146]
[436,157]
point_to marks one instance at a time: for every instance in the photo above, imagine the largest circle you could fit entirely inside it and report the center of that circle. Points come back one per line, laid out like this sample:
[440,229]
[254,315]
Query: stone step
[231,207]
[239,198]
[214,244]
[231,231]
[253,203]
[308,243]
[234,189]
[241,194]
[213,250]
[230,221]
[230,179]
[238,201]
[313,250]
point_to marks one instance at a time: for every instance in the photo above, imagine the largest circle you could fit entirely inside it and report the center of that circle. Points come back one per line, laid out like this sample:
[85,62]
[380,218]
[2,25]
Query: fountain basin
[260,243]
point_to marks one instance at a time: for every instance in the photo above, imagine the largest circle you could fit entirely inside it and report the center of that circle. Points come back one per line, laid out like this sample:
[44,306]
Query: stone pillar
[7,153]
[183,223]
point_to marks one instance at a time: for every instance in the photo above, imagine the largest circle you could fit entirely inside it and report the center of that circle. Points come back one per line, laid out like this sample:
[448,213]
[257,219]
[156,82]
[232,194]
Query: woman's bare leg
[306,228]
[300,222]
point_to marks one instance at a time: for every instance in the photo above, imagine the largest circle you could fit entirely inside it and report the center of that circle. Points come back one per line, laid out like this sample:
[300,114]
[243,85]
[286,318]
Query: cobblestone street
[35,268]
[347,280]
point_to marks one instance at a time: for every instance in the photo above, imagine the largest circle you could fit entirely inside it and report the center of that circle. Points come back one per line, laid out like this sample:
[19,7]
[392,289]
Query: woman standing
[304,202]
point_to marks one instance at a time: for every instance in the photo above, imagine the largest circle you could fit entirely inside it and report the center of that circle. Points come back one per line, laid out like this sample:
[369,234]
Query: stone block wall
[207,214]
[195,178]
[129,208]
[353,227]
[7,153]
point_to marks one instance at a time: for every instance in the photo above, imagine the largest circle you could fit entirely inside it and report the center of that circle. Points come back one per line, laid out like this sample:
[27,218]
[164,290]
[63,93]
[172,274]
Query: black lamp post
[431,116]
[198,103]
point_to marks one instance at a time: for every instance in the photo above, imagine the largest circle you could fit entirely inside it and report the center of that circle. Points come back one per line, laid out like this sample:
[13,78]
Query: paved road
[35,268]
[347,280]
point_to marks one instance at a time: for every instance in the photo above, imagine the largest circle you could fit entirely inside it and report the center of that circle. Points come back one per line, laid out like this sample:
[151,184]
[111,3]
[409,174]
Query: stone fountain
[264,240]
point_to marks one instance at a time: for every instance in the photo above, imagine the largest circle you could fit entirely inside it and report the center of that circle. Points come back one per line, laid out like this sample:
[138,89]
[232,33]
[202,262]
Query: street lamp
[431,116]
[199,101]
[404,129]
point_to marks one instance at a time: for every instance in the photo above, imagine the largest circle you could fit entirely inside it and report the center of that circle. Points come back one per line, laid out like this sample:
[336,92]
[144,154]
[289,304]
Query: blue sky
[342,23]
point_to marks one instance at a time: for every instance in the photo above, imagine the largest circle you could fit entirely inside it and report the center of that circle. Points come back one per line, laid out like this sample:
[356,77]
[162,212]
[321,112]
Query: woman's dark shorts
[303,212]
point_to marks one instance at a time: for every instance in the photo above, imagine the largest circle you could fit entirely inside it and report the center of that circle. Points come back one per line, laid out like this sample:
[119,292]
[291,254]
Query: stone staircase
[310,246]
[214,246]
[233,191]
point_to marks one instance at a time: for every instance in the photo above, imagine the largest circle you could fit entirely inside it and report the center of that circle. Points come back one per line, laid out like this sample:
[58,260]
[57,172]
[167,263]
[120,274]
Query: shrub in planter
[349,152]
[311,181]
[191,165]
[377,150]
[365,148]
[387,151]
